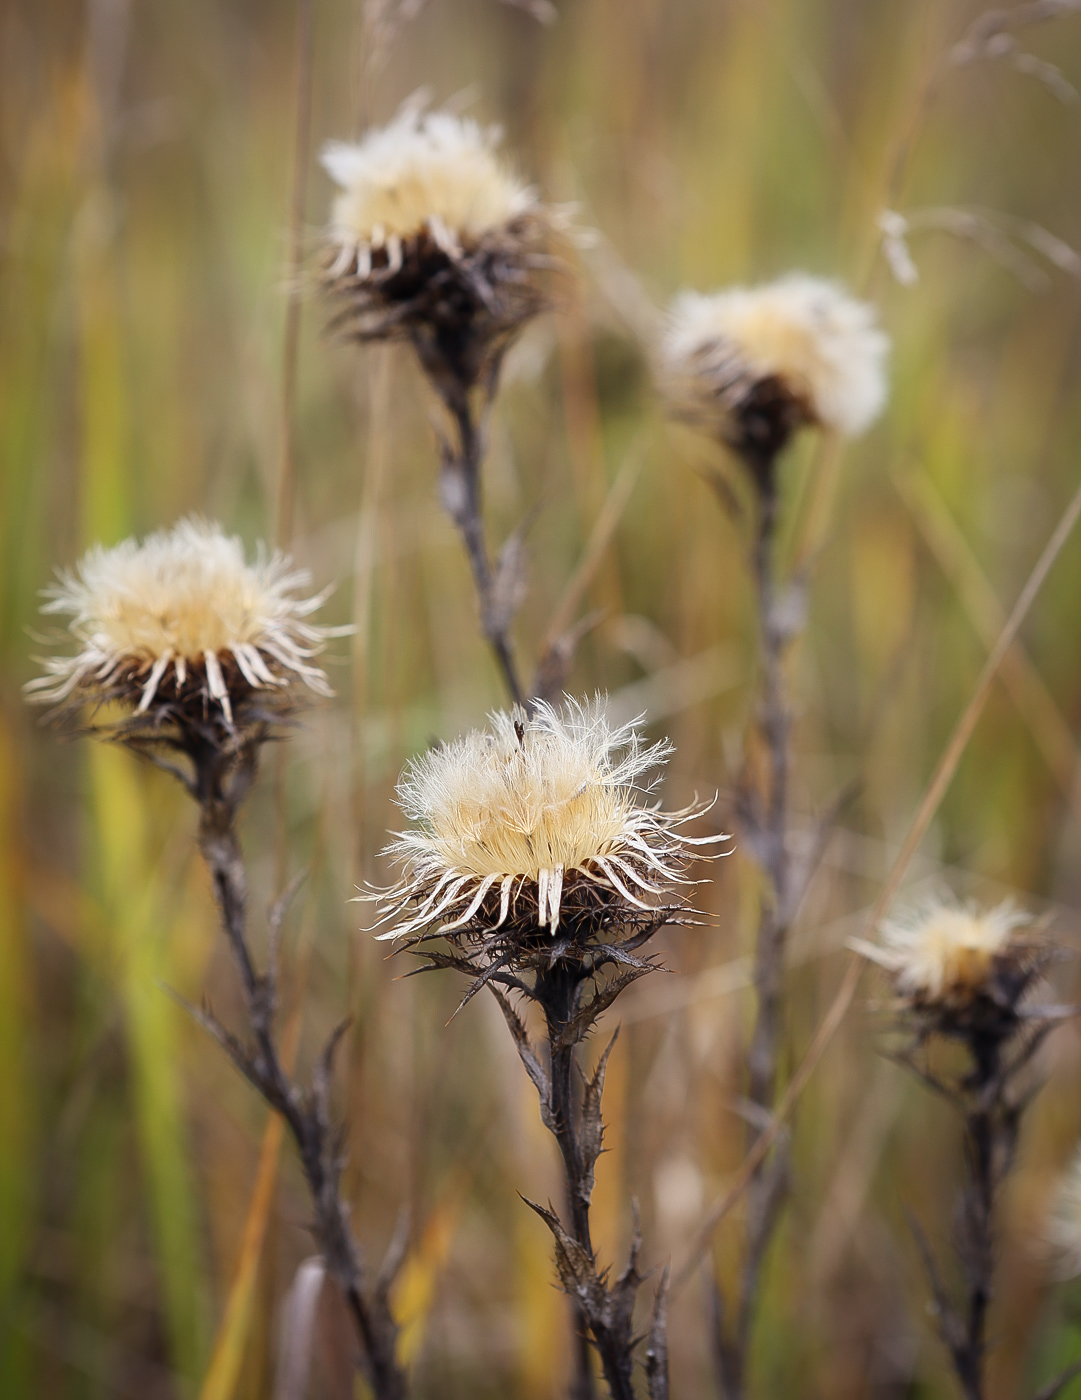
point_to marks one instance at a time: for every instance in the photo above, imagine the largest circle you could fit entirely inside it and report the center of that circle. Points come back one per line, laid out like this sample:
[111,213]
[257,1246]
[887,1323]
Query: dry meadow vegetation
[160,355]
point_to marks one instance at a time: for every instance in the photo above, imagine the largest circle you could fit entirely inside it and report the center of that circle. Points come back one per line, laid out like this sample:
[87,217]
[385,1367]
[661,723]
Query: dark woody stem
[557,990]
[220,786]
[461,492]
[767,816]
[984,1127]
[991,1125]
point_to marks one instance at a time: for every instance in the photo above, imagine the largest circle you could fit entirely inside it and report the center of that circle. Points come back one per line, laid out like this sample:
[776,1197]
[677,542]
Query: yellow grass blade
[137,908]
[227,1357]
[16,1099]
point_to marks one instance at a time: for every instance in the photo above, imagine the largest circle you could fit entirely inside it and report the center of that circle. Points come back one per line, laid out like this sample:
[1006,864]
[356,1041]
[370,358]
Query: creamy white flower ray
[186,601]
[806,333]
[944,950]
[550,800]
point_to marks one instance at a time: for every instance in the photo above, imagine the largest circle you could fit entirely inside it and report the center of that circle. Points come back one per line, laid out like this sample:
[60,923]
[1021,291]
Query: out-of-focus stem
[769,818]
[462,499]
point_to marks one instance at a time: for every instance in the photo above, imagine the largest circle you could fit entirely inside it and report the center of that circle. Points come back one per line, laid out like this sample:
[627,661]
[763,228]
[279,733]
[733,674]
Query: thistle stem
[990,1135]
[307,1114]
[557,991]
[768,819]
[461,490]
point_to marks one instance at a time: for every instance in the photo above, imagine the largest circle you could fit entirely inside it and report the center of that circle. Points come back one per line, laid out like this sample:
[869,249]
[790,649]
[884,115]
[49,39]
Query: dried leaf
[591,1132]
[298,1325]
[657,1352]
[579,1026]
[533,1067]
[576,1269]
[509,585]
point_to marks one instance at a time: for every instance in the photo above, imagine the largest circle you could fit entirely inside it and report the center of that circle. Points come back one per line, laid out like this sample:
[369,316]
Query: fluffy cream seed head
[174,609]
[945,953]
[1062,1229]
[428,172]
[806,332]
[522,807]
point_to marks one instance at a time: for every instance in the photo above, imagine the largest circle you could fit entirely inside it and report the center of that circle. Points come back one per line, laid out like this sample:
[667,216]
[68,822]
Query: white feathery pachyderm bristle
[429,171]
[800,347]
[538,813]
[182,615]
[1062,1228]
[945,953]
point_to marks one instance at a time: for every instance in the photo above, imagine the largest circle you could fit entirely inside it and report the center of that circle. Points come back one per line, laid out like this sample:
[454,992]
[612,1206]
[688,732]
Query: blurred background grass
[145,166]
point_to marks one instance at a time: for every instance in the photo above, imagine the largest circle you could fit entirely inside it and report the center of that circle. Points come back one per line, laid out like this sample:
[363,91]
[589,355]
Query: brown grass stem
[291,348]
[461,494]
[1022,681]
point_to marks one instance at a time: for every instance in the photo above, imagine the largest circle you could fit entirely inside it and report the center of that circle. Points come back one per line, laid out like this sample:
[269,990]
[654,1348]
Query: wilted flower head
[537,823]
[181,625]
[434,239]
[957,960]
[1062,1230]
[753,364]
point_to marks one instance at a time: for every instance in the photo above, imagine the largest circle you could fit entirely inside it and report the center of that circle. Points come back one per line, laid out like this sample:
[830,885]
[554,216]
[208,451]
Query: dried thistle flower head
[434,239]
[753,364]
[949,956]
[536,821]
[182,624]
[1062,1229]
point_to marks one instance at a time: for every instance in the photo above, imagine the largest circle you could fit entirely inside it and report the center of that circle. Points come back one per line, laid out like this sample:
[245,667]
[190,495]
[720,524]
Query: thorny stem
[768,820]
[307,1115]
[557,991]
[461,492]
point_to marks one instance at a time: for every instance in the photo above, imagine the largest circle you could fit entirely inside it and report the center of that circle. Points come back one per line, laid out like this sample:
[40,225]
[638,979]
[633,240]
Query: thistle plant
[749,367]
[194,659]
[970,977]
[435,241]
[533,866]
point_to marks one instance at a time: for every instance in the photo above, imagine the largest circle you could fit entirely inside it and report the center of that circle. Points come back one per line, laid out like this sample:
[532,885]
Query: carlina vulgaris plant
[749,367]
[972,977]
[534,865]
[435,241]
[193,658]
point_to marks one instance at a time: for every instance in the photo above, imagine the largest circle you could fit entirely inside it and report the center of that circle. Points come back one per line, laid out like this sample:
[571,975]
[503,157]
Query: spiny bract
[505,817]
[172,610]
[807,333]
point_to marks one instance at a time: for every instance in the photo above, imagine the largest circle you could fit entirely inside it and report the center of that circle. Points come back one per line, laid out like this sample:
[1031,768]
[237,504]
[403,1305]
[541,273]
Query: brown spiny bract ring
[960,970]
[533,838]
[751,365]
[433,239]
[182,634]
